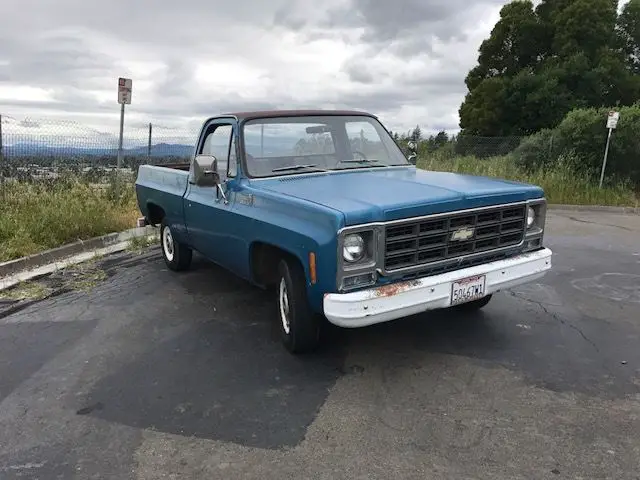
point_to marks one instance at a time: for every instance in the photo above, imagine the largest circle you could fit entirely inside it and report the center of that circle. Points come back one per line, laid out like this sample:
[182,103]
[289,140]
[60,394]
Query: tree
[629,32]
[416,135]
[481,112]
[539,64]
[441,139]
[584,26]
[516,42]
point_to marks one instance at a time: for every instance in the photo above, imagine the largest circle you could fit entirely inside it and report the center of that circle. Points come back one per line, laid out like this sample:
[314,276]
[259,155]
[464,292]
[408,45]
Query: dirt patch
[81,277]
[30,290]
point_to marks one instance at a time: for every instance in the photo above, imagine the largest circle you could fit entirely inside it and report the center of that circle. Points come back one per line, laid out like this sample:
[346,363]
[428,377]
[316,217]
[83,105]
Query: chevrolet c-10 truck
[324,209]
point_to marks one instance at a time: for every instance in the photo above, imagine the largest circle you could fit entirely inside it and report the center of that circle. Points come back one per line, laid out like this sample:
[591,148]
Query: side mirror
[202,176]
[413,158]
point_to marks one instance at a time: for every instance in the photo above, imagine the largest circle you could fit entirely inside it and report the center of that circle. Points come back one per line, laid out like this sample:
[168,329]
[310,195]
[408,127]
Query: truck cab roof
[250,115]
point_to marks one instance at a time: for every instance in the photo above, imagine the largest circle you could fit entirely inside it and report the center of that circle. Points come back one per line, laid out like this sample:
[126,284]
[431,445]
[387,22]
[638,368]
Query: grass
[561,183]
[29,290]
[82,277]
[38,216]
[138,244]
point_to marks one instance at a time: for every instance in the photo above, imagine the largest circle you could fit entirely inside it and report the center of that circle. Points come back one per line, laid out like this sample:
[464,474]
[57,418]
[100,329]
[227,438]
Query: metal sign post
[612,123]
[124,97]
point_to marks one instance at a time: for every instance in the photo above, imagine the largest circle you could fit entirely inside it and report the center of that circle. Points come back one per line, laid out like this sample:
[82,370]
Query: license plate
[467,289]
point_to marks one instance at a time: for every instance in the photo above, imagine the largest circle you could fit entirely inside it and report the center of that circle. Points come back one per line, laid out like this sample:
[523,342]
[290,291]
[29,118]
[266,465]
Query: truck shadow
[214,367]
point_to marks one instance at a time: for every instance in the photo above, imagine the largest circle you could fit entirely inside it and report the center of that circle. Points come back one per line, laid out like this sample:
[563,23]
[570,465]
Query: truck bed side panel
[164,188]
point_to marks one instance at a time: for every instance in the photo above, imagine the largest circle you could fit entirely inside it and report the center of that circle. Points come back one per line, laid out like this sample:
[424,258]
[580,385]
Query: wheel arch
[264,258]
[155,213]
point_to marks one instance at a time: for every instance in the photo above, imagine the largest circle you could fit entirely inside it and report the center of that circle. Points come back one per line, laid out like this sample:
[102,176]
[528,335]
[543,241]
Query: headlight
[353,248]
[531,217]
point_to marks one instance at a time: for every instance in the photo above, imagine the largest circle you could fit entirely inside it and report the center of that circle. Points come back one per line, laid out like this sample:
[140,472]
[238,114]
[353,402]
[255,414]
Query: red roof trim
[293,113]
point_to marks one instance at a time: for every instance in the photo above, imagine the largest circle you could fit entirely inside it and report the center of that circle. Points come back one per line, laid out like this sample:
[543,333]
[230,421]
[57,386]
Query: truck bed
[176,166]
[162,185]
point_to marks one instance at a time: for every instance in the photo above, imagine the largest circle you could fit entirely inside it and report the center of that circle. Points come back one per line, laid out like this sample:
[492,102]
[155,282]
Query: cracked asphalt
[148,374]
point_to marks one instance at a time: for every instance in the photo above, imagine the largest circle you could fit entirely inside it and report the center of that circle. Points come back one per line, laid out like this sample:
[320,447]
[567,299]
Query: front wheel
[299,325]
[176,255]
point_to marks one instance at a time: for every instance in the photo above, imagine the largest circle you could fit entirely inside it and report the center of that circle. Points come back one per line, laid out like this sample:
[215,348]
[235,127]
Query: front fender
[300,227]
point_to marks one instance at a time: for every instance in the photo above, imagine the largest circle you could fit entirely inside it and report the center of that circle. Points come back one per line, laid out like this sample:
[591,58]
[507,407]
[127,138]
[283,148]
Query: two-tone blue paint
[302,213]
[165,188]
[226,233]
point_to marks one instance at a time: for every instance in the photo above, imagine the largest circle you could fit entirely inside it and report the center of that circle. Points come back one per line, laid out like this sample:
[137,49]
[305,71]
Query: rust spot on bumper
[395,288]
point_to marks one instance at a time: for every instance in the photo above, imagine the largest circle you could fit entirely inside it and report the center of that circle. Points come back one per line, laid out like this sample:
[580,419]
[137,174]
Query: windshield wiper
[299,167]
[364,160]
[361,162]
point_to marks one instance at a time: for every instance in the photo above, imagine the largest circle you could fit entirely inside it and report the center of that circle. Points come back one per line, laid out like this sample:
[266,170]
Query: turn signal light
[312,267]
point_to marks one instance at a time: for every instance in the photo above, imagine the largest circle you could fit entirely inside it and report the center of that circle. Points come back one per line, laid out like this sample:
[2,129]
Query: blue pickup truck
[324,209]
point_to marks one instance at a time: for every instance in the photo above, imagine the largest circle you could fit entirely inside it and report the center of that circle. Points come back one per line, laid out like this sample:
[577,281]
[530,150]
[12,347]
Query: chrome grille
[423,242]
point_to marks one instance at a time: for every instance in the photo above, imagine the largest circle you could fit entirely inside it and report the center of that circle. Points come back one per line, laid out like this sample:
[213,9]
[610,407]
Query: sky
[191,59]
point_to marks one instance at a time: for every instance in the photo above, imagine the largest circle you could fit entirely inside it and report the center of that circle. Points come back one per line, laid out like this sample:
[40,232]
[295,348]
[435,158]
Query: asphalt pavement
[142,373]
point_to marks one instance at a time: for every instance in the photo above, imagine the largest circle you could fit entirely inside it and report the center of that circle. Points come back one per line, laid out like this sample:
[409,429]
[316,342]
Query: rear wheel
[299,326]
[176,255]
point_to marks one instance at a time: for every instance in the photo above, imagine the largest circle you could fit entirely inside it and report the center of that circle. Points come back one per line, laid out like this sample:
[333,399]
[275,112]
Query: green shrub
[539,150]
[581,137]
[561,182]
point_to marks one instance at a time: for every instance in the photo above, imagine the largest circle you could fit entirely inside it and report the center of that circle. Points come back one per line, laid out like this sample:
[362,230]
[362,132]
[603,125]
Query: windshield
[277,146]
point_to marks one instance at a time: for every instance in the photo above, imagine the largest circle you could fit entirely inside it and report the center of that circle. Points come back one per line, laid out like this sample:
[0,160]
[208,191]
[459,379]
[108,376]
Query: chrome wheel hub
[283,303]
[167,243]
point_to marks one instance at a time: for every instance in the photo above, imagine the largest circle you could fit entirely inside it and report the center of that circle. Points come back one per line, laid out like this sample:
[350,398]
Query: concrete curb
[594,208]
[38,264]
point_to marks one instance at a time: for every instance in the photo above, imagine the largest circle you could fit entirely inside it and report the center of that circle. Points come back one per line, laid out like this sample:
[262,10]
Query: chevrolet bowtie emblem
[462,234]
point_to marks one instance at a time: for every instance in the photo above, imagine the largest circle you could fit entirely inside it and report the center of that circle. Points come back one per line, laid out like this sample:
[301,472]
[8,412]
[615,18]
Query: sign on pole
[124,97]
[612,123]
[124,90]
[612,119]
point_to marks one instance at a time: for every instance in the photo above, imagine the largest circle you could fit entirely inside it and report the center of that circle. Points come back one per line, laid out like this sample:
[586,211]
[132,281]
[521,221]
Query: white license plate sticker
[468,289]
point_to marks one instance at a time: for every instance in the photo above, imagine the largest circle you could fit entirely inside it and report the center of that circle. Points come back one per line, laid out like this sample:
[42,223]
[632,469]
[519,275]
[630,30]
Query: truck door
[208,217]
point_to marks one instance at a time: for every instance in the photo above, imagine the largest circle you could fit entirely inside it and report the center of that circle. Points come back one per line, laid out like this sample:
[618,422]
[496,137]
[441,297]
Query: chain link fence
[479,147]
[45,149]
[42,149]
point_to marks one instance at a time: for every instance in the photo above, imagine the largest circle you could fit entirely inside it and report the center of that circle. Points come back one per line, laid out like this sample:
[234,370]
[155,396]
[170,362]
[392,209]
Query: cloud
[406,61]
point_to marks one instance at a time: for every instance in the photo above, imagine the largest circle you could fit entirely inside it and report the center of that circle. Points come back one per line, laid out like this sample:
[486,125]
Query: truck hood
[376,195]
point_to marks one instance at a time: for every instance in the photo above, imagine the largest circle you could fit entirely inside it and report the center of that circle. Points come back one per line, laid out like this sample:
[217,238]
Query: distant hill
[22,149]
[163,149]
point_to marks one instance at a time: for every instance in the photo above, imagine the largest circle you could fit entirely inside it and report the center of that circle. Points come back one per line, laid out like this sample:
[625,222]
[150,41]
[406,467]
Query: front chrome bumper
[390,302]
